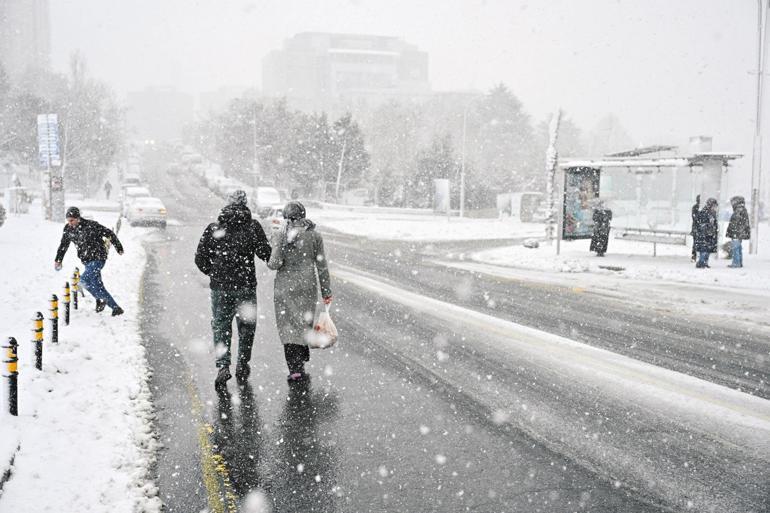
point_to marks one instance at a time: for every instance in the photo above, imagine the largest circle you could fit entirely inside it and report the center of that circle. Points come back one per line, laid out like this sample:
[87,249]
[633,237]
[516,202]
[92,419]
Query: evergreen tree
[505,141]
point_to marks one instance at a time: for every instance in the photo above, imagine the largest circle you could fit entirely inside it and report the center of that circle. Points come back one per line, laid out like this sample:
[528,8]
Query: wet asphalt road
[385,425]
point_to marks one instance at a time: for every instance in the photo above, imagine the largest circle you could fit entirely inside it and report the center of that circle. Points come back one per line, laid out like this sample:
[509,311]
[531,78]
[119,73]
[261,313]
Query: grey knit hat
[294,210]
[237,198]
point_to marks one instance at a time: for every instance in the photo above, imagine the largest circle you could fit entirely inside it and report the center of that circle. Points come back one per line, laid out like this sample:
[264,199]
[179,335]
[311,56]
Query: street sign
[48,140]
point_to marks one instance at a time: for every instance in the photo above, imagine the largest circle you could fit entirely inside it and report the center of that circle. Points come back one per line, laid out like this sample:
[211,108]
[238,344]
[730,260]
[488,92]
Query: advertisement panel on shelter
[581,189]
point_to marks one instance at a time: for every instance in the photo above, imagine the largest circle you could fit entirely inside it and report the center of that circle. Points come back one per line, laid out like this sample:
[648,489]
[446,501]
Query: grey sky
[668,69]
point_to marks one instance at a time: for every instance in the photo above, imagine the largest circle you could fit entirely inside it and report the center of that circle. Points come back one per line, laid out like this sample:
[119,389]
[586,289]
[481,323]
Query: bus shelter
[649,193]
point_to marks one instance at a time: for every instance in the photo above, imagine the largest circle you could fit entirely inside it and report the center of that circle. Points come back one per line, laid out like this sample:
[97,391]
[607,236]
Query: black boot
[100,304]
[117,311]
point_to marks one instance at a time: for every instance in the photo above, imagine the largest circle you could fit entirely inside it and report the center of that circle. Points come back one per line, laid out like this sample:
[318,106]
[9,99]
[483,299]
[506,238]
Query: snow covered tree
[350,155]
[505,141]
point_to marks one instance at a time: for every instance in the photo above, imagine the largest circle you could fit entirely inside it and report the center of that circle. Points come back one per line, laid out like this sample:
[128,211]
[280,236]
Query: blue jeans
[737,253]
[703,259]
[92,281]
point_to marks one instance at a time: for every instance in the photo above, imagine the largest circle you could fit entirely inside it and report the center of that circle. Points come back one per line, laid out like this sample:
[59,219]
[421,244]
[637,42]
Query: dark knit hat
[72,212]
[237,198]
[294,210]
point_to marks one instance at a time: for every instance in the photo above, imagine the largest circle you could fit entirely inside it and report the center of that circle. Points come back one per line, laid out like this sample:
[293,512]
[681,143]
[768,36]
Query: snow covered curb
[85,422]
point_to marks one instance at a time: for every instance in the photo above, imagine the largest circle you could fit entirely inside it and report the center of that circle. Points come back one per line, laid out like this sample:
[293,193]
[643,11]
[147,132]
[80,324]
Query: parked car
[130,194]
[147,210]
[263,200]
[273,220]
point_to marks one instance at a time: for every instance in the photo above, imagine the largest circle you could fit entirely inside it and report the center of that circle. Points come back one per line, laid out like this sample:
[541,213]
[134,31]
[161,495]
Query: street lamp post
[462,165]
[756,164]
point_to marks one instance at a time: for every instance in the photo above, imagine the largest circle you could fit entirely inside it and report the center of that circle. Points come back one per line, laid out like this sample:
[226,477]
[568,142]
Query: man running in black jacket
[88,236]
[226,255]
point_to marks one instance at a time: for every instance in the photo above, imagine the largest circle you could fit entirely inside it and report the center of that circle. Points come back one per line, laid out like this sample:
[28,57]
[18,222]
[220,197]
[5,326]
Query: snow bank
[84,433]
[421,227]
[634,260]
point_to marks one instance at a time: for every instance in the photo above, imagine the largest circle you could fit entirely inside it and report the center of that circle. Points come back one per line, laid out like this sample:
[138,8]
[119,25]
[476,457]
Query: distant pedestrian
[694,216]
[738,229]
[600,238]
[298,256]
[226,255]
[107,189]
[89,236]
[706,233]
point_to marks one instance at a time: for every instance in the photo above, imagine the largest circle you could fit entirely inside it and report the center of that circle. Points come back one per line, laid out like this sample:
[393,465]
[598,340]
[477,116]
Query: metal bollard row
[11,346]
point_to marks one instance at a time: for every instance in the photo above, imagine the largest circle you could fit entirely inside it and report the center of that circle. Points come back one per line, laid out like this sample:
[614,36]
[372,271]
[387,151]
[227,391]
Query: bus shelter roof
[698,159]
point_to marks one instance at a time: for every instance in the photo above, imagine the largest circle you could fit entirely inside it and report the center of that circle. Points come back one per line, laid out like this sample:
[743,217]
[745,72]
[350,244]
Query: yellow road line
[216,477]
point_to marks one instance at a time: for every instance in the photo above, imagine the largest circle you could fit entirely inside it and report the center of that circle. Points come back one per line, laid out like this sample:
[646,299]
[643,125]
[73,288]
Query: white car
[274,219]
[147,210]
[130,194]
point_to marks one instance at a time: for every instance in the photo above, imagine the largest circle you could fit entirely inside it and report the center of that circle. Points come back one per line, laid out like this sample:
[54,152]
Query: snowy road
[407,415]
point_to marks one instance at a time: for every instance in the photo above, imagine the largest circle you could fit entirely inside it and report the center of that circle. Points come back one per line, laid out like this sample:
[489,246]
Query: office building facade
[318,71]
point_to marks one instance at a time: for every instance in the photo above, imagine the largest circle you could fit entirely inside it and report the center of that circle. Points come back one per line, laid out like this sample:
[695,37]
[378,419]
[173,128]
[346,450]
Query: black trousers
[296,356]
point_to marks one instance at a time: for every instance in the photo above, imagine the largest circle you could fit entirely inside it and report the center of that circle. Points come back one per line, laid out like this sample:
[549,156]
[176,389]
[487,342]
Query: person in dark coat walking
[738,230]
[694,216]
[298,256]
[107,189]
[88,236]
[601,235]
[226,255]
[706,233]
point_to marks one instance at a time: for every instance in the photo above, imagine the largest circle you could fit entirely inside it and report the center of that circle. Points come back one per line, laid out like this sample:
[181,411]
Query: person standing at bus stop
[601,234]
[706,233]
[738,230]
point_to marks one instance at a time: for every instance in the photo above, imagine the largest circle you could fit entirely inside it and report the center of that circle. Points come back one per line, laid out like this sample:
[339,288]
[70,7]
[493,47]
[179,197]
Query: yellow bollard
[67,303]
[75,282]
[37,340]
[54,319]
[12,373]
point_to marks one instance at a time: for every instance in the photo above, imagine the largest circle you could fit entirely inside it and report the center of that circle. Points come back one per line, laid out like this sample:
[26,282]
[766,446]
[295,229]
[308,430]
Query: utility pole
[462,164]
[339,169]
[756,163]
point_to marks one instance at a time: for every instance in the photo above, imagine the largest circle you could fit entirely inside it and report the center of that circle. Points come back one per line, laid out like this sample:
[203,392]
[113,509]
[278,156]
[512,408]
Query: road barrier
[11,360]
[37,340]
[54,319]
[67,303]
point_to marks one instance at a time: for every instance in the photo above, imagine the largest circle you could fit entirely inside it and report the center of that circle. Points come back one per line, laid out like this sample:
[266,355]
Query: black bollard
[11,360]
[37,340]
[54,319]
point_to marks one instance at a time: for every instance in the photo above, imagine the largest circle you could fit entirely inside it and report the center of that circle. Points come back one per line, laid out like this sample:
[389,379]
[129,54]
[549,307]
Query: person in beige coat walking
[299,259]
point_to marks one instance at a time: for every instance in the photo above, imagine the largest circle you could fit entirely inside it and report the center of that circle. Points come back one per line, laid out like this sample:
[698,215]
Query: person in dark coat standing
[298,256]
[88,236]
[600,238]
[107,189]
[738,230]
[706,233]
[694,216]
[226,255]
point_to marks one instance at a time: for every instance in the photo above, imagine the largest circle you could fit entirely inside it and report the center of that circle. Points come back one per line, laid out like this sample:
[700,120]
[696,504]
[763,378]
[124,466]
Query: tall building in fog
[158,113]
[316,70]
[25,35]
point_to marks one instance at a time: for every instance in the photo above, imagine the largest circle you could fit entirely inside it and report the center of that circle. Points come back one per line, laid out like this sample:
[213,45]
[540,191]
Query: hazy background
[668,70]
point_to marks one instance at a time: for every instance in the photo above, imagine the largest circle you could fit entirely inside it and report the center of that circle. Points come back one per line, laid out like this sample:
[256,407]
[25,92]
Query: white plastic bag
[324,334]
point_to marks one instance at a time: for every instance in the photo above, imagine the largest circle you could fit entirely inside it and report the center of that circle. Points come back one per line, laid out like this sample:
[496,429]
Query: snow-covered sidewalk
[83,439]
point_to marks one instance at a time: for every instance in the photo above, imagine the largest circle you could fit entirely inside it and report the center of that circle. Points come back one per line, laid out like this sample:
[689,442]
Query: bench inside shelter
[653,236]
